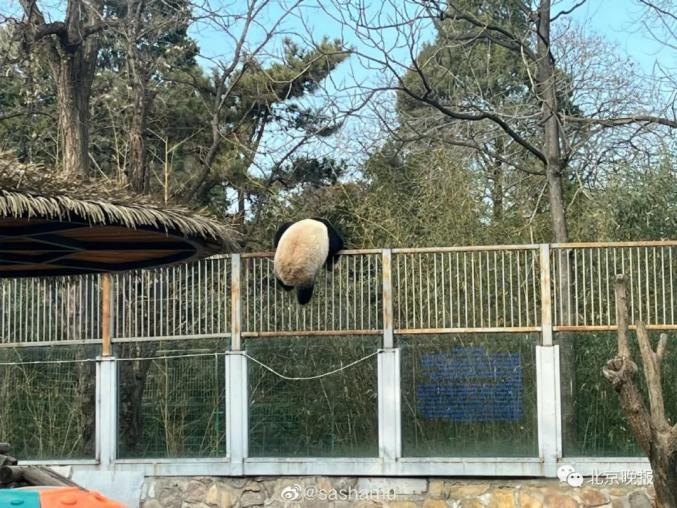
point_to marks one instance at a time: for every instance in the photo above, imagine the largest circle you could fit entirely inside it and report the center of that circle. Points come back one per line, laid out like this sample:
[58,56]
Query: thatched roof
[33,196]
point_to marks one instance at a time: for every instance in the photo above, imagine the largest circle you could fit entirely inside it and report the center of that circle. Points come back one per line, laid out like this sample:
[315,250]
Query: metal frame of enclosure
[540,288]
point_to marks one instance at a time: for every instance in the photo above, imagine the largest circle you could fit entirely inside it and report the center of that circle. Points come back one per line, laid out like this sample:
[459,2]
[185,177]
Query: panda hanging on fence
[301,249]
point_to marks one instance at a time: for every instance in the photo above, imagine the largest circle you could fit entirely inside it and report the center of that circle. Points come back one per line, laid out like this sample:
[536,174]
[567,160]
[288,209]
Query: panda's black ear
[280,231]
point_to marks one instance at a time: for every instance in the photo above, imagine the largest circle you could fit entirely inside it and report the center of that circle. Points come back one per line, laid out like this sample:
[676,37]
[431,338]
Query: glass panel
[593,425]
[181,409]
[333,416]
[469,395]
[47,409]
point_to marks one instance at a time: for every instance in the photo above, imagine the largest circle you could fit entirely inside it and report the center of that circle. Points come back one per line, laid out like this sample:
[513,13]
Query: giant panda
[301,249]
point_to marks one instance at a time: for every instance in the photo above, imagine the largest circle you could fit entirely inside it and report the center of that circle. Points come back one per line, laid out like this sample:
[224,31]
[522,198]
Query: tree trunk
[138,77]
[138,176]
[546,87]
[663,459]
[71,48]
[73,110]
[497,183]
[650,427]
[133,377]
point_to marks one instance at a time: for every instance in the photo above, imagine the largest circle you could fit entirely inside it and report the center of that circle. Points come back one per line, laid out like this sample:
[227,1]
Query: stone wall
[311,492]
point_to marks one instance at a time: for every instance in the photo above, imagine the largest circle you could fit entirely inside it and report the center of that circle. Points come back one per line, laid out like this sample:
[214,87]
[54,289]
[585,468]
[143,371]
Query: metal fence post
[549,408]
[237,407]
[389,417]
[106,421]
[387,269]
[106,321]
[548,377]
[546,295]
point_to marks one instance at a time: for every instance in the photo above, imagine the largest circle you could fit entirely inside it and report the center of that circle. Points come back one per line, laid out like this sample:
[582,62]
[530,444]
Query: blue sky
[615,20]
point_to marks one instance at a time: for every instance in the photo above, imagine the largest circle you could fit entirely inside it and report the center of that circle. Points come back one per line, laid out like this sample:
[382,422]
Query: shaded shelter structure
[53,225]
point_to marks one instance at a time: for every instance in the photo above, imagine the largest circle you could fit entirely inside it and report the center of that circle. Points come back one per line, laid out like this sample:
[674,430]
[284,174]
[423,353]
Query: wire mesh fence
[333,416]
[47,401]
[469,395]
[181,408]
[597,427]
[467,321]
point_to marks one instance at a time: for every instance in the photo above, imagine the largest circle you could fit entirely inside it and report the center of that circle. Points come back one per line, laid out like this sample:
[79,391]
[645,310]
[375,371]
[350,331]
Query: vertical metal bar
[465,287]
[549,408]
[576,299]
[406,324]
[106,421]
[663,281]
[420,291]
[435,305]
[472,285]
[527,302]
[376,291]
[261,299]
[389,413]
[458,289]
[534,283]
[672,293]
[386,272]
[488,292]
[105,315]
[655,286]
[632,290]
[546,295]
[443,304]
[333,300]
[481,288]
[362,276]
[606,276]
[519,289]
[584,289]
[237,406]
[235,305]
[599,285]
[647,319]
[175,301]
[503,290]
[512,298]
[276,305]
[496,323]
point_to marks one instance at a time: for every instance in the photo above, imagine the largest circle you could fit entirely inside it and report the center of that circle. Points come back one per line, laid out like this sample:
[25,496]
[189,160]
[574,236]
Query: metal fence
[399,295]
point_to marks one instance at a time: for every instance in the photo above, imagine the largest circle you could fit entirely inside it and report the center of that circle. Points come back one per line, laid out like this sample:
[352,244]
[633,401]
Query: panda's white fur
[302,250]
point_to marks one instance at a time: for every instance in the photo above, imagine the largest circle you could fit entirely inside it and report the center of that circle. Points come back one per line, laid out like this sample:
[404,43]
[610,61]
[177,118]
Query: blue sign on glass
[470,384]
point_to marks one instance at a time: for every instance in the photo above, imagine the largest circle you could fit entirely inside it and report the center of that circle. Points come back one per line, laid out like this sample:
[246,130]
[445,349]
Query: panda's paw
[304,294]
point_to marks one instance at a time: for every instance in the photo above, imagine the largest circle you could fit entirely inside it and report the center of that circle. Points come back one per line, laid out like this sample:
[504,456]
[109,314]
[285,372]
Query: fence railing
[390,300]
[432,290]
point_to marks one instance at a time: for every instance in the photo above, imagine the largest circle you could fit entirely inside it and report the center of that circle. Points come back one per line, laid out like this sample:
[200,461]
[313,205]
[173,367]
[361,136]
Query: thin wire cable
[196,355]
[86,360]
[308,378]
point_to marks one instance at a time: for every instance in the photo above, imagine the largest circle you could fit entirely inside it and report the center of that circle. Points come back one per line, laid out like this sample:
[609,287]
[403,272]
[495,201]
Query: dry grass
[33,191]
